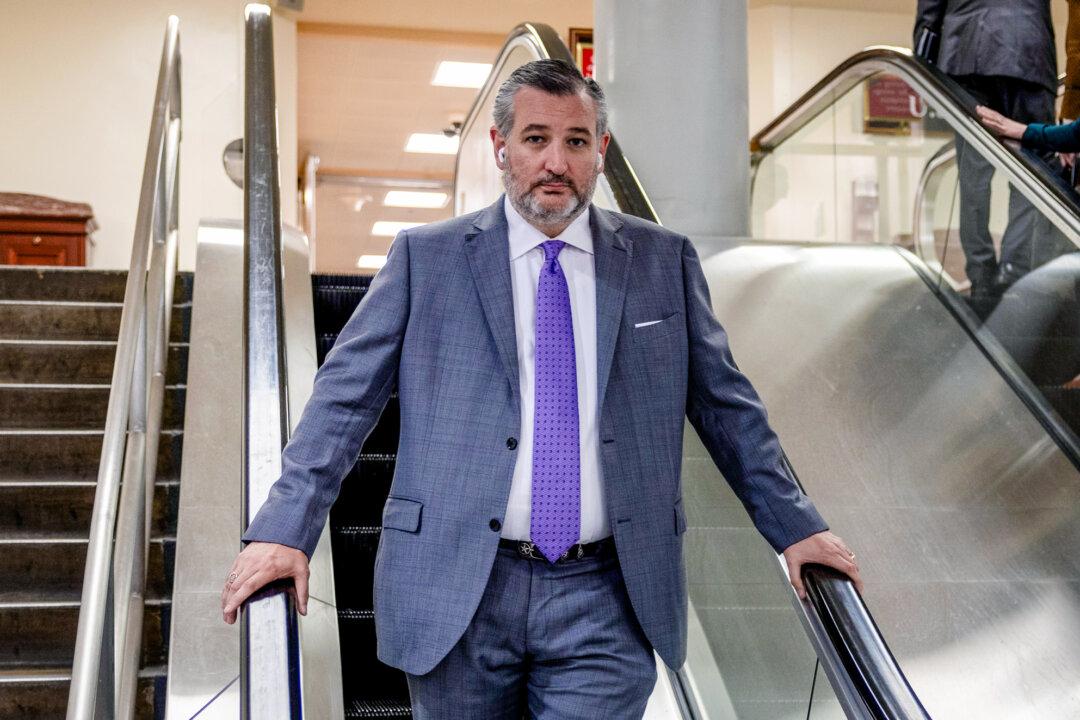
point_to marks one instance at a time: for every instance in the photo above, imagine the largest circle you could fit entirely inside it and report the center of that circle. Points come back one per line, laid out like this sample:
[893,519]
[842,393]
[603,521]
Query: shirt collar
[524,237]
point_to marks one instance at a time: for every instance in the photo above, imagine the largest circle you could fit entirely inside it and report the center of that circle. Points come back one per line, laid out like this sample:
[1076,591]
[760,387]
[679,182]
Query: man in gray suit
[545,354]
[1001,52]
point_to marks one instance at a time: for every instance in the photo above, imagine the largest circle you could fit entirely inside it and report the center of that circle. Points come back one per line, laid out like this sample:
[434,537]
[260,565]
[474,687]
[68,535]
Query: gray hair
[556,77]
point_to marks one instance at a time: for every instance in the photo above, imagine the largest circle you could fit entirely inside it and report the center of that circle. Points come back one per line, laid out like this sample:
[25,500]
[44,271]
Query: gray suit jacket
[1008,38]
[438,323]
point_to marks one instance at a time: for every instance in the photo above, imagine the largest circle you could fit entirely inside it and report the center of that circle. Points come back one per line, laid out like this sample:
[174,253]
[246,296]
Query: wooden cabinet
[38,230]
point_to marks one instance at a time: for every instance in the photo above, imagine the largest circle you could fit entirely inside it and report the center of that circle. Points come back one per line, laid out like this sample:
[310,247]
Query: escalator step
[378,709]
[354,580]
[335,298]
[364,677]
[363,491]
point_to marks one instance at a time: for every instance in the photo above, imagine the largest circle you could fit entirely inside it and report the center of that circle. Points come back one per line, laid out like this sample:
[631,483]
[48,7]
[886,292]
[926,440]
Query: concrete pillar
[675,77]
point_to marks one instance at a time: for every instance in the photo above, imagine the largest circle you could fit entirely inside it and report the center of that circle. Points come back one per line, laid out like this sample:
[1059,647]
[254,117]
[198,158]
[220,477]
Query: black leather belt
[529,551]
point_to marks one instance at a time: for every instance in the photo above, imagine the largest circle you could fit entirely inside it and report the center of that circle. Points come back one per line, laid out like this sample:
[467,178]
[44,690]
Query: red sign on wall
[581,47]
[890,106]
[586,62]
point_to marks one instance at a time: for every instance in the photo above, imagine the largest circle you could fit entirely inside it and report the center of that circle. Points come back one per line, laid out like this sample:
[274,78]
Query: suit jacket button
[495,524]
[511,443]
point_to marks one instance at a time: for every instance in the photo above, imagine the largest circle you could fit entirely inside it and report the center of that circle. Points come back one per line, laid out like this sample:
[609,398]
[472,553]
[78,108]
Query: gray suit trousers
[550,642]
[1025,102]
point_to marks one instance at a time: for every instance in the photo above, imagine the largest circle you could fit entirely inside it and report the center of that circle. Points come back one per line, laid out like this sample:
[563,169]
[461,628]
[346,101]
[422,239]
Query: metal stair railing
[108,641]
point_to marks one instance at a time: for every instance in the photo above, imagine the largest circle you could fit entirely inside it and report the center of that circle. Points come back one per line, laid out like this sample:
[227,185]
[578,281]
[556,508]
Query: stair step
[43,507]
[69,320]
[72,455]
[52,567]
[71,407]
[40,692]
[79,284]
[36,635]
[73,361]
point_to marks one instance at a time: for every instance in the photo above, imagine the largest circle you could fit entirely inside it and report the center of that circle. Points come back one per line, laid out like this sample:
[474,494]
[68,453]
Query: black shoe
[1006,275]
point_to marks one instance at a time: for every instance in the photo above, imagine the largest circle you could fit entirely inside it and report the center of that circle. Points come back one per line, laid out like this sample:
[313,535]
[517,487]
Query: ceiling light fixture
[451,73]
[414,199]
[373,262]
[432,143]
[390,228]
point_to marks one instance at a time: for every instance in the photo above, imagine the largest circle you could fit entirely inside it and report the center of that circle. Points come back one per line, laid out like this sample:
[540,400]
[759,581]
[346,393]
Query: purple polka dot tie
[556,471]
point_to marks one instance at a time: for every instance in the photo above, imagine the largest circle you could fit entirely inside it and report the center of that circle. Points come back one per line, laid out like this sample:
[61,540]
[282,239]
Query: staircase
[58,330]
[372,689]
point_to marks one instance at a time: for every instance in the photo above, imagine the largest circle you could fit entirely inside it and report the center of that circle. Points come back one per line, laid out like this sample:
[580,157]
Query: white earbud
[599,161]
[502,155]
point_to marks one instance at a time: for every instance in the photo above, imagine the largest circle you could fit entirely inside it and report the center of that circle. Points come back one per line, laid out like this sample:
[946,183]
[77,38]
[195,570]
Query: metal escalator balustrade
[735,668]
[270,682]
[822,161]
[931,425]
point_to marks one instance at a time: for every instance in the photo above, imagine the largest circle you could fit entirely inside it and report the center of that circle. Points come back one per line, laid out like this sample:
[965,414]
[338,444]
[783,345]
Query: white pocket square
[647,324]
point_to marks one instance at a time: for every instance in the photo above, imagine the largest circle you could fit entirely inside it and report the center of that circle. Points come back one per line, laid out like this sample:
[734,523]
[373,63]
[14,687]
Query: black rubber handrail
[871,667]
[853,642]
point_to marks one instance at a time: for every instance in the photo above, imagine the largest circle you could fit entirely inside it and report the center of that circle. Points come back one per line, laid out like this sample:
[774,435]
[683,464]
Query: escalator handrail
[870,666]
[270,683]
[929,181]
[949,100]
[849,639]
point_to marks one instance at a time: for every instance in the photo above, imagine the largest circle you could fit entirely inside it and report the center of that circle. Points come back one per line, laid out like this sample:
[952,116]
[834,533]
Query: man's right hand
[257,565]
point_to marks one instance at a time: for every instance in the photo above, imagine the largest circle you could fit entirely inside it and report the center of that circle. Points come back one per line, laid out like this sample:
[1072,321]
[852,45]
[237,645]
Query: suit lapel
[612,254]
[488,250]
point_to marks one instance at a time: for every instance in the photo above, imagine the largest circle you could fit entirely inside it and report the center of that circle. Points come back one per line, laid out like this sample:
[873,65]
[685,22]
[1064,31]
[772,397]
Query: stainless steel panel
[320,654]
[204,657]
[963,512]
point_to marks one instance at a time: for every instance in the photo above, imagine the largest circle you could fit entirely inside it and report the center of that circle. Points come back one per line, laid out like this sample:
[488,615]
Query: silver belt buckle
[526,550]
[578,555]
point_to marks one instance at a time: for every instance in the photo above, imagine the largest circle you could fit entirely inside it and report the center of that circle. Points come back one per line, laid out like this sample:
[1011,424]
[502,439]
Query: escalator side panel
[963,511]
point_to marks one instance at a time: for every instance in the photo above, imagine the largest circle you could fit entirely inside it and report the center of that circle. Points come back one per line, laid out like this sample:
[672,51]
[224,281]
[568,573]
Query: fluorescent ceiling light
[414,199]
[432,143]
[371,261]
[450,73]
[390,228]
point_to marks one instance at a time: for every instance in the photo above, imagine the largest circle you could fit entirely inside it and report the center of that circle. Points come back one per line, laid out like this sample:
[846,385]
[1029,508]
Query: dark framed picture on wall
[581,47]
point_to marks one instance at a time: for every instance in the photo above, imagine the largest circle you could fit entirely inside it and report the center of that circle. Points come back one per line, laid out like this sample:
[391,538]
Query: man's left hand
[822,548]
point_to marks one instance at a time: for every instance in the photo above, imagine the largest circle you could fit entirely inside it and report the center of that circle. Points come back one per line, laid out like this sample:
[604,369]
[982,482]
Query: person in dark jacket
[1002,53]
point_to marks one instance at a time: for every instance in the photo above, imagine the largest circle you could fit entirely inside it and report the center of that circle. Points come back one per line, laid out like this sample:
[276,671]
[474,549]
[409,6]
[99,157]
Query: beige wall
[77,83]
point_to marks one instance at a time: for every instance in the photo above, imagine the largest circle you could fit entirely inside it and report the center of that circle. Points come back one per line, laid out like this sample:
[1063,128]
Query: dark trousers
[548,642]
[1025,102]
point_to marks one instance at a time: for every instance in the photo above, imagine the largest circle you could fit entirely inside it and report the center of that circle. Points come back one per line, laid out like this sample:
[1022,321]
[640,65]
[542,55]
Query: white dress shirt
[576,260]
